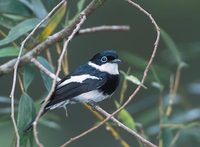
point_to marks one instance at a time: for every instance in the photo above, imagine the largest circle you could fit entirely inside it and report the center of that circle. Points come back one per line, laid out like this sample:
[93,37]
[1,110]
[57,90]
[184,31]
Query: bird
[90,83]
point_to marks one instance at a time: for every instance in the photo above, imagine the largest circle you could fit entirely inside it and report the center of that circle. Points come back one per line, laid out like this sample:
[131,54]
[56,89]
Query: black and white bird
[89,83]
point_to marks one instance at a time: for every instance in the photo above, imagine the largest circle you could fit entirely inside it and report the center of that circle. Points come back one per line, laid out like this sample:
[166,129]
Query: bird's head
[106,61]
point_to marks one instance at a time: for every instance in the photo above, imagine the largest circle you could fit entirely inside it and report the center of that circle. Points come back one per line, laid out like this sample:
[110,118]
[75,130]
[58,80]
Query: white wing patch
[79,79]
[94,95]
[111,68]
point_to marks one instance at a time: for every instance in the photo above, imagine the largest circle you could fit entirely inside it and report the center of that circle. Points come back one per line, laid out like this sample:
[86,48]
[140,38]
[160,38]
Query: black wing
[71,90]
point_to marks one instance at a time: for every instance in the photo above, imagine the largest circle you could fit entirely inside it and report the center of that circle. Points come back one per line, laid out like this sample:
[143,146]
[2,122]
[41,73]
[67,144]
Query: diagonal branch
[59,36]
[8,67]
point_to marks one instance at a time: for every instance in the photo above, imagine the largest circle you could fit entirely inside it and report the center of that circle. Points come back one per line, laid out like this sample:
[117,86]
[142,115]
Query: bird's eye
[104,59]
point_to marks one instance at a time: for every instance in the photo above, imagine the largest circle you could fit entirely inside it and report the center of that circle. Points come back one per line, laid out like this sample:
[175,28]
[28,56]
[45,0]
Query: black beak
[116,61]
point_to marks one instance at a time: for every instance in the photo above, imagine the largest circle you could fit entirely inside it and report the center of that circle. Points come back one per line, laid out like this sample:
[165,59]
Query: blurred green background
[179,21]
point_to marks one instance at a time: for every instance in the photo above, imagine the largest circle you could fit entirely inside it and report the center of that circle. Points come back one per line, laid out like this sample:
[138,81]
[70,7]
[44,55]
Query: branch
[8,67]
[12,93]
[104,28]
[142,81]
[121,125]
[64,33]
[42,68]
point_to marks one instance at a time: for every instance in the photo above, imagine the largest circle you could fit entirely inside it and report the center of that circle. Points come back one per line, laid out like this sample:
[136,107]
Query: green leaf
[126,117]
[46,79]
[132,79]
[53,22]
[9,52]
[37,7]
[165,133]
[26,112]
[80,5]
[14,17]
[19,30]
[7,22]
[171,46]
[141,63]
[157,83]
[28,75]
[13,7]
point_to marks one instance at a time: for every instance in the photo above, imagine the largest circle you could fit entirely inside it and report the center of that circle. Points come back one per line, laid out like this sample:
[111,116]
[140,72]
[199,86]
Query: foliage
[166,109]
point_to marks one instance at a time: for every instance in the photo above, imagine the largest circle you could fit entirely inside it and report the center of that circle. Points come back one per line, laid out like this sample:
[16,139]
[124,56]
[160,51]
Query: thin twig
[174,89]
[42,68]
[121,125]
[104,28]
[82,20]
[12,93]
[108,126]
[138,87]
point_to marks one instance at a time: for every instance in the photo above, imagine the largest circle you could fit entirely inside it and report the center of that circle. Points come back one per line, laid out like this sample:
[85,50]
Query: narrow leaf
[28,75]
[126,117]
[13,7]
[7,22]
[132,79]
[80,5]
[19,30]
[26,112]
[37,7]
[46,79]
[171,46]
[53,22]
[140,62]
[166,135]
[9,52]
[14,17]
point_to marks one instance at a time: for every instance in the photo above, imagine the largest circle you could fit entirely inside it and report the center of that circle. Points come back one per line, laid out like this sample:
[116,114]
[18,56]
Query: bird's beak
[116,61]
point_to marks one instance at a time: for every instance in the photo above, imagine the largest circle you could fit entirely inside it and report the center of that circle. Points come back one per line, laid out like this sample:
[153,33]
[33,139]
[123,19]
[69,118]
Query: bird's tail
[30,125]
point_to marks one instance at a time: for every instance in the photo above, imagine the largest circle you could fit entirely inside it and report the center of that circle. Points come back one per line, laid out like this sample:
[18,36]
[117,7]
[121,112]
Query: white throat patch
[111,68]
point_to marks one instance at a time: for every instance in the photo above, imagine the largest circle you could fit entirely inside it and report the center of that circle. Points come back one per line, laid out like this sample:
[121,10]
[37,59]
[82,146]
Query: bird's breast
[110,85]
